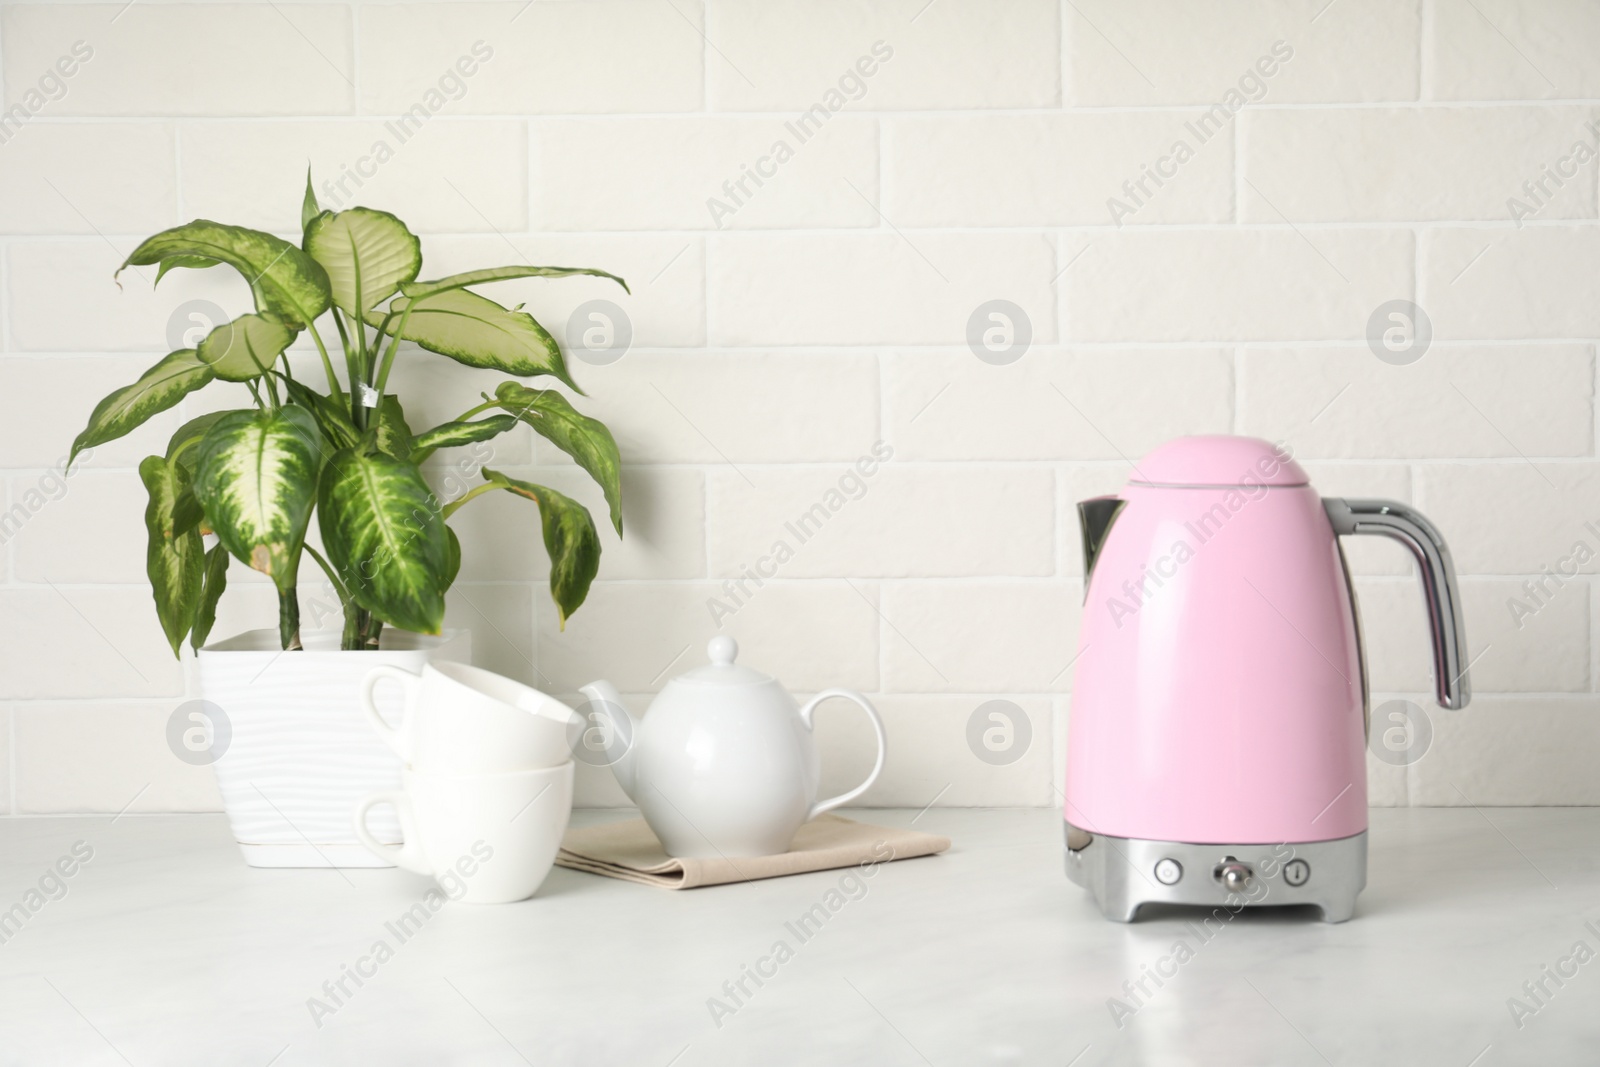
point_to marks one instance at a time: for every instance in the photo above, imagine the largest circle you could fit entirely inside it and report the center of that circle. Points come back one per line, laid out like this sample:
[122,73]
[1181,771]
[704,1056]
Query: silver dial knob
[1235,876]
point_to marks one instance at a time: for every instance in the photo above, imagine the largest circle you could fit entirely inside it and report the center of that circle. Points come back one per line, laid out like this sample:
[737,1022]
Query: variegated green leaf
[191,262]
[190,434]
[500,274]
[569,538]
[454,434]
[159,388]
[333,419]
[283,279]
[584,439]
[187,514]
[181,450]
[211,590]
[309,208]
[247,347]
[256,475]
[474,330]
[452,566]
[383,532]
[394,436]
[368,255]
[175,556]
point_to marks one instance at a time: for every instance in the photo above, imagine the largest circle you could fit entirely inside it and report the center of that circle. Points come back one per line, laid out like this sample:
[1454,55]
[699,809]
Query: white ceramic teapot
[724,764]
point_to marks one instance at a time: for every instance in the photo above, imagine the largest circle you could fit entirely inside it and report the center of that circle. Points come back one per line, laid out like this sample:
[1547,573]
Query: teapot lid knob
[721,672]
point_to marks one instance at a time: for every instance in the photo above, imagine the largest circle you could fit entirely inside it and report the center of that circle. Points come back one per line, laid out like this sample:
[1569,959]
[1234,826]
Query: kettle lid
[722,671]
[1218,460]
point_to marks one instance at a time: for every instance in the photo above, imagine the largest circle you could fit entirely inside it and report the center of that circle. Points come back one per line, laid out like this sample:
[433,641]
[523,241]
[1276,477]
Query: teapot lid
[1218,460]
[722,671]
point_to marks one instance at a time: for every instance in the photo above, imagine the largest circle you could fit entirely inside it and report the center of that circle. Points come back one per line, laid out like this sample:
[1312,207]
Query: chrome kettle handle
[1389,518]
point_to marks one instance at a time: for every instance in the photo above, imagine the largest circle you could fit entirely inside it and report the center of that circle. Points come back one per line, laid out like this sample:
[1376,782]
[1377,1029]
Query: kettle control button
[1297,872]
[1235,876]
[1168,871]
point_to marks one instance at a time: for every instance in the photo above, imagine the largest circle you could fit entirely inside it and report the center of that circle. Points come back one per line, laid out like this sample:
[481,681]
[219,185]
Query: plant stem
[289,619]
[361,630]
[350,640]
[327,568]
[272,391]
[358,414]
[354,618]
[476,491]
[344,341]
[467,414]
[361,348]
[327,364]
[394,346]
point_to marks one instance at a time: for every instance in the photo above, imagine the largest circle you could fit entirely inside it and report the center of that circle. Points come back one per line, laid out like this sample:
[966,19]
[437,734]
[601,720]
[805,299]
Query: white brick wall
[972,158]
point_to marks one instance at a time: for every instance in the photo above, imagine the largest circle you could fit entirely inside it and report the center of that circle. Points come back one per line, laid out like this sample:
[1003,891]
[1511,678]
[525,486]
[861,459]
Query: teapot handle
[883,746]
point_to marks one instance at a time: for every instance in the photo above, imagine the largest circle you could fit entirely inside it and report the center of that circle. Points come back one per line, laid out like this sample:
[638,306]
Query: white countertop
[167,949]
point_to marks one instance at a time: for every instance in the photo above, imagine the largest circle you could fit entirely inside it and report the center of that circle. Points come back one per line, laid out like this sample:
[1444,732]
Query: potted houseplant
[298,751]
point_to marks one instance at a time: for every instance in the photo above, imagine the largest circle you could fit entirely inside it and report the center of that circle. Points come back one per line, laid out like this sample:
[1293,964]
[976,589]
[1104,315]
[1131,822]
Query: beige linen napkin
[628,850]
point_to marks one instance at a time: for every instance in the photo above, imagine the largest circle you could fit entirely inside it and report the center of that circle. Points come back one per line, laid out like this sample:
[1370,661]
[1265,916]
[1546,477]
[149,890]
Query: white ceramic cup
[460,719]
[486,838]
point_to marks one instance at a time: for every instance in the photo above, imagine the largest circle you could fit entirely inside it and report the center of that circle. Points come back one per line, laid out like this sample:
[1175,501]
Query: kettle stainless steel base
[1123,873]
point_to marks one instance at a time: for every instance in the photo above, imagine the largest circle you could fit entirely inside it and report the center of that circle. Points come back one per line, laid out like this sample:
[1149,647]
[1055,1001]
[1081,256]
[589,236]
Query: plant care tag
[368,395]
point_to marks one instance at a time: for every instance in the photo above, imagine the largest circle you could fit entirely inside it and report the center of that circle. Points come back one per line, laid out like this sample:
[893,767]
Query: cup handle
[883,746]
[407,857]
[397,738]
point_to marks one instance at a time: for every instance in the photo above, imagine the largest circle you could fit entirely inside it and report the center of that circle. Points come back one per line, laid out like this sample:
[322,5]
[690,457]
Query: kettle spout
[1094,520]
[609,733]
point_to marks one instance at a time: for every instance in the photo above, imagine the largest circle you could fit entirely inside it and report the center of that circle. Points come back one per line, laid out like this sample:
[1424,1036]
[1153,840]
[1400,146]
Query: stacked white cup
[487,779]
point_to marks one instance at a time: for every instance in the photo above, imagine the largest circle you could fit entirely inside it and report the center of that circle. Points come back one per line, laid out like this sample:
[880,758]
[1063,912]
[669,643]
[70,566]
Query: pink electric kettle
[1217,737]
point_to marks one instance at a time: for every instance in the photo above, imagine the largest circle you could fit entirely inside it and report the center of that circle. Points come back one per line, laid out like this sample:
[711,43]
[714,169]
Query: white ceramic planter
[301,751]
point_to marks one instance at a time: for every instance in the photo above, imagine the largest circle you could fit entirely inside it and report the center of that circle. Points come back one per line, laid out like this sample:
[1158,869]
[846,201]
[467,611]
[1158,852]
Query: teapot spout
[609,733]
[1094,522]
